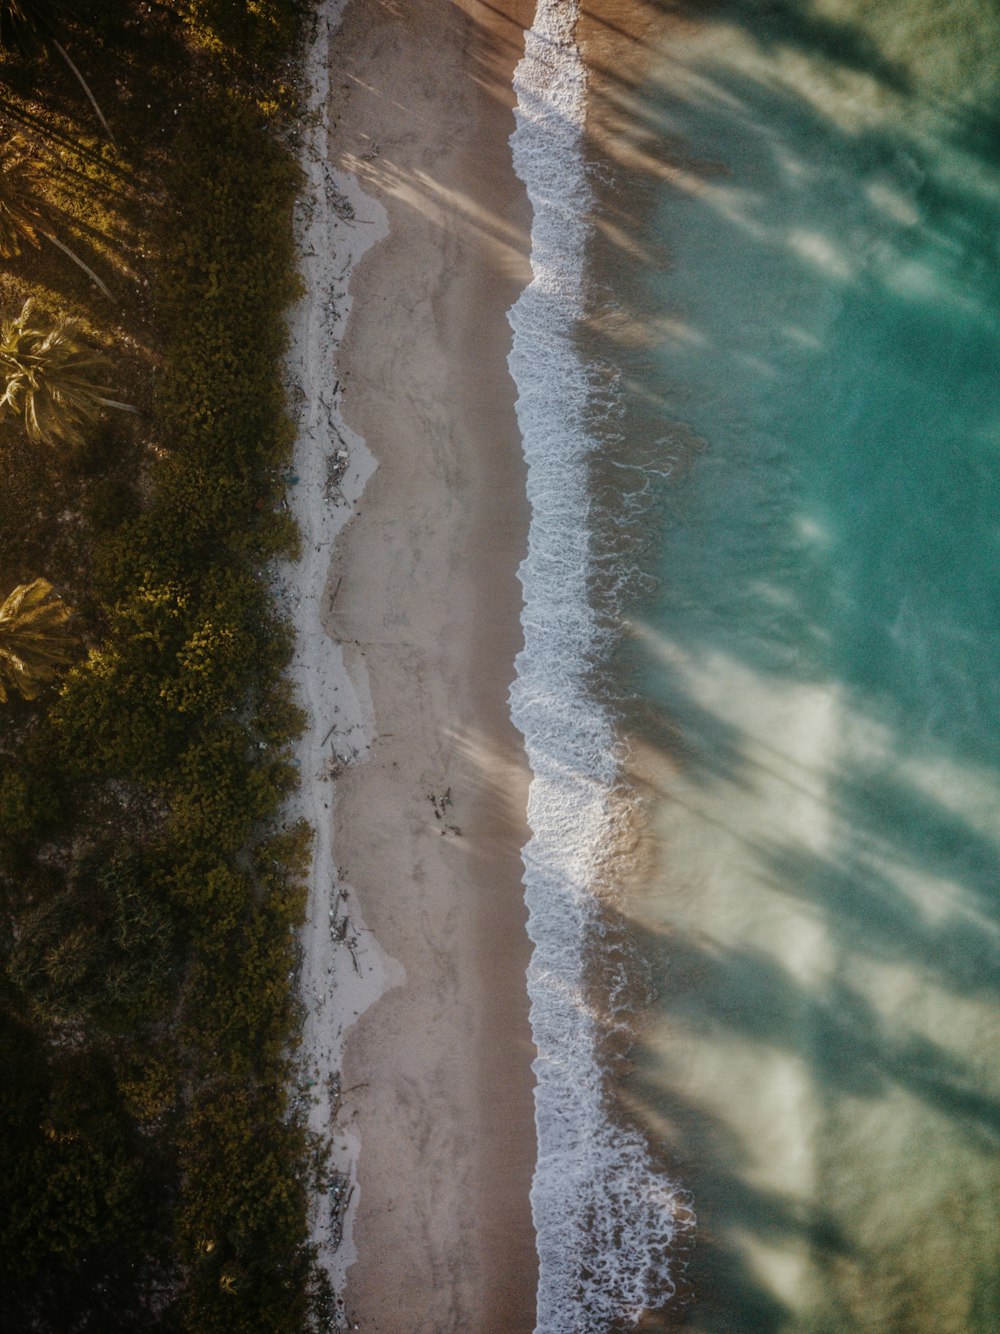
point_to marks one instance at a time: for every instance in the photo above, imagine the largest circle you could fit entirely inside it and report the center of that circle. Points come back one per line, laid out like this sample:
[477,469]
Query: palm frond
[34,642]
[21,209]
[51,379]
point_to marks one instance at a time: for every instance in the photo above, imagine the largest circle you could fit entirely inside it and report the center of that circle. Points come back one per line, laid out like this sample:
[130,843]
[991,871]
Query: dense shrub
[152,1176]
[30,805]
[84,1209]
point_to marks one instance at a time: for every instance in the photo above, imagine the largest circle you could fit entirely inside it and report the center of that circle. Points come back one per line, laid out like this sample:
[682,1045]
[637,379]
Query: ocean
[759,395]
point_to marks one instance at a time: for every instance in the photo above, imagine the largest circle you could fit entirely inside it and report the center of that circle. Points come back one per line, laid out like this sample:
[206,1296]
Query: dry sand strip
[342,969]
[429,818]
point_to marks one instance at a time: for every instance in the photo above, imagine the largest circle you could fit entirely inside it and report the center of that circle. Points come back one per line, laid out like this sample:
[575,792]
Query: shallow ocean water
[814,681]
[762,585]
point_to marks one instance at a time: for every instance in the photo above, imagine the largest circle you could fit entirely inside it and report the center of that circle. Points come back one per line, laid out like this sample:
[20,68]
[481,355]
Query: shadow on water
[741,995]
[792,24]
[836,534]
[748,996]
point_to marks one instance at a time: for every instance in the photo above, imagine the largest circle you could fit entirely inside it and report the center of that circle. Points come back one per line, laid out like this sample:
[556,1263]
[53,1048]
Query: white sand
[436,1130]
[343,970]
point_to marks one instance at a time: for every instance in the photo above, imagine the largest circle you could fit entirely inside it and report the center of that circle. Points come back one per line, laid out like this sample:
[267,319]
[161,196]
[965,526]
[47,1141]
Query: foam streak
[603,1216]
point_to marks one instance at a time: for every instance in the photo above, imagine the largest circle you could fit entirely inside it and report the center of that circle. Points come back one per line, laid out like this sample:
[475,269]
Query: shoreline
[631,160]
[435,1132]
[607,1239]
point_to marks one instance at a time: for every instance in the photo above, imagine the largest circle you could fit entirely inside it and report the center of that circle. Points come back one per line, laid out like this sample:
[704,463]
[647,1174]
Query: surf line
[605,1218]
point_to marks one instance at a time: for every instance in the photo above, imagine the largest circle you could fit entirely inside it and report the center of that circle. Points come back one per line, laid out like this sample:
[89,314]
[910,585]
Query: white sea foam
[604,1217]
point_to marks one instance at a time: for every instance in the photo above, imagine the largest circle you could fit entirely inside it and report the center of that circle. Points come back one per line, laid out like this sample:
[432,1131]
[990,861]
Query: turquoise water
[818,668]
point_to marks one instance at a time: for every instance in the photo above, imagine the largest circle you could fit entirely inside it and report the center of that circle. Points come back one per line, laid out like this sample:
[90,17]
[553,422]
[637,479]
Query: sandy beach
[429,820]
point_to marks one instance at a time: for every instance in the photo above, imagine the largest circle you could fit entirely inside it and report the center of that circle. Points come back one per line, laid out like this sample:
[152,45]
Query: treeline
[152,1174]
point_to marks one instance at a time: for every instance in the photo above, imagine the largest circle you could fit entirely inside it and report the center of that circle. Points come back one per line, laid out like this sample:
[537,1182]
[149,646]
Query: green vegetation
[23,211]
[152,1174]
[20,197]
[33,639]
[49,378]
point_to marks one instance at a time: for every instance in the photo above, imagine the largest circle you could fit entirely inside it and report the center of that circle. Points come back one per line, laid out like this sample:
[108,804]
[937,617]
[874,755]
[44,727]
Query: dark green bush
[31,804]
[147,905]
[241,1215]
[101,950]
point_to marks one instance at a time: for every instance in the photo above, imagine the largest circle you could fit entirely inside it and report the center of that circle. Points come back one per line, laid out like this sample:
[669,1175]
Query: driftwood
[352,945]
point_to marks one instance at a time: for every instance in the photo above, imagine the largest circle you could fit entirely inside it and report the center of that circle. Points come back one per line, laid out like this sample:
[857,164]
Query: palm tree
[26,26]
[34,643]
[53,379]
[22,206]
